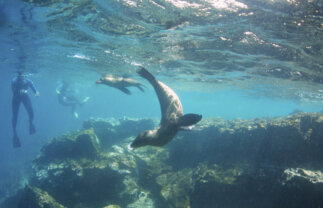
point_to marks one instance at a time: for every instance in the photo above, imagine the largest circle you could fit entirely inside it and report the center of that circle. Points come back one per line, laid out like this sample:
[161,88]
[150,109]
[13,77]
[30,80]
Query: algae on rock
[34,197]
[239,163]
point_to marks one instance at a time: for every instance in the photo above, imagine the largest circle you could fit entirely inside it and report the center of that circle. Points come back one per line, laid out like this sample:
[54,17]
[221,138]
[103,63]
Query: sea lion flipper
[125,90]
[189,119]
[152,80]
[140,88]
[145,74]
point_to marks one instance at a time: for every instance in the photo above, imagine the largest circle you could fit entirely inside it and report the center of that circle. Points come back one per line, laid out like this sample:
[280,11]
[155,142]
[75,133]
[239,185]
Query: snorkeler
[20,85]
[66,97]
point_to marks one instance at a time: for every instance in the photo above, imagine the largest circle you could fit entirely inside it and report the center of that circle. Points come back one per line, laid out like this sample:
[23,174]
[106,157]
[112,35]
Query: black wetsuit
[20,87]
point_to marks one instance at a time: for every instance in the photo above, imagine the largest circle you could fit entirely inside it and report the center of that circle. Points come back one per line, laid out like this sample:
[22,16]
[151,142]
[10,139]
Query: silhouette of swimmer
[20,85]
[67,97]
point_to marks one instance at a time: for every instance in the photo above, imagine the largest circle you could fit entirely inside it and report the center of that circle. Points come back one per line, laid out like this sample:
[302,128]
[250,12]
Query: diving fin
[86,99]
[16,142]
[32,129]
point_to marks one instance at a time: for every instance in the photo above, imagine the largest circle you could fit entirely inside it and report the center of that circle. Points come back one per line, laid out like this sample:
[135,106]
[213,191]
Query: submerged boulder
[33,197]
[314,177]
[304,186]
[238,163]
[113,131]
[75,146]
[77,172]
[291,141]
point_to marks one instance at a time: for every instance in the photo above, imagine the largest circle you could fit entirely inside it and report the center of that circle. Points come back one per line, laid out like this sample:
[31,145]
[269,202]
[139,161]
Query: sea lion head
[99,81]
[106,79]
[143,139]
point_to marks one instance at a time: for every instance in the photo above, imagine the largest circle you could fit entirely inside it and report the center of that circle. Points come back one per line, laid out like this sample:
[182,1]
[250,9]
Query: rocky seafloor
[275,162]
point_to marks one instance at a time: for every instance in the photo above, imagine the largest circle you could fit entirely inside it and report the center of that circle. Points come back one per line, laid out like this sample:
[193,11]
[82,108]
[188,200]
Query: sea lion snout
[99,81]
[142,139]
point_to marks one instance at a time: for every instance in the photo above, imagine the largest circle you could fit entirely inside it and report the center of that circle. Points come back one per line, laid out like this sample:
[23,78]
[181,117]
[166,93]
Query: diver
[67,97]
[20,85]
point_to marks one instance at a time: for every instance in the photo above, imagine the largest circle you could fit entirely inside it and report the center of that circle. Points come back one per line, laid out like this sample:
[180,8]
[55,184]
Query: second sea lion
[120,83]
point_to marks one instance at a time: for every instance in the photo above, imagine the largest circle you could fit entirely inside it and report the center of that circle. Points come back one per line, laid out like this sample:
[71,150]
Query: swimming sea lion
[172,119]
[120,83]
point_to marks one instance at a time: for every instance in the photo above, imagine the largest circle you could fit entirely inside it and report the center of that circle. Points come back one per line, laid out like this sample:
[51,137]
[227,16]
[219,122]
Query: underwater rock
[216,186]
[112,206]
[112,131]
[249,158]
[84,186]
[176,188]
[78,173]
[143,201]
[292,141]
[236,163]
[302,188]
[251,187]
[81,144]
[42,2]
[33,197]
[299,173]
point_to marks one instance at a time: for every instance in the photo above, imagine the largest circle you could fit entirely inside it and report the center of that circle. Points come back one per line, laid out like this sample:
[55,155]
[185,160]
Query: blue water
[27,43]
[52,119]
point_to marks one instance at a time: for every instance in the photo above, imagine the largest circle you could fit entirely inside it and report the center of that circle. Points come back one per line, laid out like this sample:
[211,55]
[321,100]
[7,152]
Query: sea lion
[172,118]
[120,83]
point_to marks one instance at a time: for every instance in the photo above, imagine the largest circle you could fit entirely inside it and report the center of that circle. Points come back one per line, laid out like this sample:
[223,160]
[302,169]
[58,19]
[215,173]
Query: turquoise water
[228,59]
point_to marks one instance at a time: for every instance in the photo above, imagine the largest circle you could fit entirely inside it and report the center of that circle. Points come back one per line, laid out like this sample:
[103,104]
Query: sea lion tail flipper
[189,119]
[140,88]
[125,90]
[145,74]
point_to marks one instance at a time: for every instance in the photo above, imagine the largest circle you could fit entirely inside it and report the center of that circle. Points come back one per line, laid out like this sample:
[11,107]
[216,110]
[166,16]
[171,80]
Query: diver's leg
[29,108]
[15,111]
[85,99]
[74,101]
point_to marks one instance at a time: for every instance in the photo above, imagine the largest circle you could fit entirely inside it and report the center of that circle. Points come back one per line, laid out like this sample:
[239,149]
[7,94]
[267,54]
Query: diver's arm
[13,84]
[59,89]
[32,86]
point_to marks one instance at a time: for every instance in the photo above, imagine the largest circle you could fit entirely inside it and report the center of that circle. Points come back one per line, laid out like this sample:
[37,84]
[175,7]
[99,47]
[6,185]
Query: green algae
[37,198]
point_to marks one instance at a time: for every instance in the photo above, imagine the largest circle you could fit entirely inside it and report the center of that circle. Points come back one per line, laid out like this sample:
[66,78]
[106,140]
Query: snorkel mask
[21,74]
